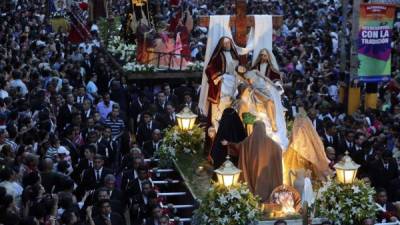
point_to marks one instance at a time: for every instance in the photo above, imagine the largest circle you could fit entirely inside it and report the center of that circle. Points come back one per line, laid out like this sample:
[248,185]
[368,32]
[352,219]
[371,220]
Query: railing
[170,56]
[155,61]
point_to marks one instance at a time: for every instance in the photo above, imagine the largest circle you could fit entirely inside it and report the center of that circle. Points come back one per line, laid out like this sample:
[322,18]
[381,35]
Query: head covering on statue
[266,64]
[221,79]
[219,64]
[224,44]
[230,129]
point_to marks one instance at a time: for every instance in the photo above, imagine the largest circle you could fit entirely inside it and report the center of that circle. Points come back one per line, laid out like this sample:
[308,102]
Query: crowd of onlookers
[74,133]
[309,55]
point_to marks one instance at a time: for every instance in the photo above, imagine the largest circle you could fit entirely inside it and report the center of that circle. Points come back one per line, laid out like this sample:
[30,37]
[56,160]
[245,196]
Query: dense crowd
[308,53]
[74,133]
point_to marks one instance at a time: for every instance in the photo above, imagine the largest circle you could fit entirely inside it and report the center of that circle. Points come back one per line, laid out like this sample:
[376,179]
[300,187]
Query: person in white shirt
[18,83]
[105,107]
[333,91]
[86,46]
[94,27]
[91,87]
[3,94]
[335,42]
[3,85]
[12,187]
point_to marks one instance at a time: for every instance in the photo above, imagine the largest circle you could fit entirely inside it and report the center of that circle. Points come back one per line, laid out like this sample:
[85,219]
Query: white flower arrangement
[135,67]
[197,66]
[188,142]
[177,141]
[228,206]
[59,14]
[117,46]
[346,204]
[166,156]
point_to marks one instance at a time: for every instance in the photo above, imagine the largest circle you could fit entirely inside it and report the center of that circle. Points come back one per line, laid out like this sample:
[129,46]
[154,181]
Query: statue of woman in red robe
[222,80]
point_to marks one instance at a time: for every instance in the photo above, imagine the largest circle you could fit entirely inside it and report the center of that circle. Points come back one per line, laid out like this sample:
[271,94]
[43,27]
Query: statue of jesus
[261,98]
[263,94]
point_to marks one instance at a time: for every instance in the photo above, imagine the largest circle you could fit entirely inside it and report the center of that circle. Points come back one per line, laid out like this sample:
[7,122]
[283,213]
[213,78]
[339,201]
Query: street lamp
[228,174]
[346,170]
[186,119]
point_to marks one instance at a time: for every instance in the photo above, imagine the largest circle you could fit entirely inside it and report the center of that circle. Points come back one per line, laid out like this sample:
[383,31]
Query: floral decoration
[117,47]
[166,156]
[59,14]
[127,54]
[228,206]
[109,28]
[189,142]
[346,204]
[195,66]
[136,67]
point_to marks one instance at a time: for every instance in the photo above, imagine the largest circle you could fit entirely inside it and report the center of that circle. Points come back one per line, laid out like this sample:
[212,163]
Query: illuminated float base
[289,222]
[315,221]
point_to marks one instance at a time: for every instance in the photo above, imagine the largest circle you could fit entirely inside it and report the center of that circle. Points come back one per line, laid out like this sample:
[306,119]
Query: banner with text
[374,41]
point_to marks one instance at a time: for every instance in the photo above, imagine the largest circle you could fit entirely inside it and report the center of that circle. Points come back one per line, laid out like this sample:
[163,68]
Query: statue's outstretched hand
[218,79]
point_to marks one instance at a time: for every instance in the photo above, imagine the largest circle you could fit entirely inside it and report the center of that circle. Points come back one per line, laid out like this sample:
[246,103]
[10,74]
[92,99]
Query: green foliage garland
[108,28]
[249,118]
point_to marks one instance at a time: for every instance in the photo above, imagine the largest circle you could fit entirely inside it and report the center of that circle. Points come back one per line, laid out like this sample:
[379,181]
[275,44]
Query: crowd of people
[67,114]
[74,133]
[308,53]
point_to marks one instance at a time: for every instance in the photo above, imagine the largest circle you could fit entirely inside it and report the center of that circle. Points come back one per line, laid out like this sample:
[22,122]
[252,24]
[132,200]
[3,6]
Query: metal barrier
[170,56]
[155,61]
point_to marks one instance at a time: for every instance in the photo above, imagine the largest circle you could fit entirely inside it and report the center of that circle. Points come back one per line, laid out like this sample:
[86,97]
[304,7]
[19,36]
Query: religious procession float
[242,160]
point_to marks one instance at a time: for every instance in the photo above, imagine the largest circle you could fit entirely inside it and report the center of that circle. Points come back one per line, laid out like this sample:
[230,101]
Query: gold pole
[354,99]
[371,100]
[371,96]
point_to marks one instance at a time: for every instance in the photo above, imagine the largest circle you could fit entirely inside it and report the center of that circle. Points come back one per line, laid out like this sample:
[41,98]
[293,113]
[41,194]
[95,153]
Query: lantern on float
[346,170]
[186,119]
[228,174]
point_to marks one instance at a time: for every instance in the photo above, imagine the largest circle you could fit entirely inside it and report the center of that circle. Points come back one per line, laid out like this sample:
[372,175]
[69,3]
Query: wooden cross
[241,22]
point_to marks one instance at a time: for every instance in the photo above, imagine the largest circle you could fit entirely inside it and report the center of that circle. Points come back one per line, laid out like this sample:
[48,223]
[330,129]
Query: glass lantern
[228,174]
[346,170]
[186,119]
